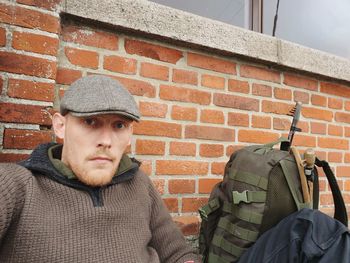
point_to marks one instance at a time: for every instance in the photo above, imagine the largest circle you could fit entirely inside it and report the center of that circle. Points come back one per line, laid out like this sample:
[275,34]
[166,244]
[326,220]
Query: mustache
[101,153]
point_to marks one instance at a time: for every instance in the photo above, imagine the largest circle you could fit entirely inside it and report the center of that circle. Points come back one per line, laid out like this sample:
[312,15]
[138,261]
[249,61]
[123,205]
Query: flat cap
[96,94]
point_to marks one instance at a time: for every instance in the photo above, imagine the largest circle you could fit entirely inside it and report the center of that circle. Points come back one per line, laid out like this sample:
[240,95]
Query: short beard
[95,180]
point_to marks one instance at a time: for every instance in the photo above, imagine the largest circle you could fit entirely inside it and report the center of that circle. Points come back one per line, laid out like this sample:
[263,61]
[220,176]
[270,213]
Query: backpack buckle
[238,197]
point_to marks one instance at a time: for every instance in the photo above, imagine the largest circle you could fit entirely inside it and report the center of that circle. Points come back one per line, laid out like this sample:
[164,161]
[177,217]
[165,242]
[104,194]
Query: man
[85,200]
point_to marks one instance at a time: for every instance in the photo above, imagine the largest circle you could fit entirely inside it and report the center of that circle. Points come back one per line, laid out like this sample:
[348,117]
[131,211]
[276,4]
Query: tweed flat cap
[95,94]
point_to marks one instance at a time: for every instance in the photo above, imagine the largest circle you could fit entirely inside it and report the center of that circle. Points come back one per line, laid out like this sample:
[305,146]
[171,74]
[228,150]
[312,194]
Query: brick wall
[198,107]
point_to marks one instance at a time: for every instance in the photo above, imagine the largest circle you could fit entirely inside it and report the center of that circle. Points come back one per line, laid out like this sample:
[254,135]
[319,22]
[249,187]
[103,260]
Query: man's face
[93,146]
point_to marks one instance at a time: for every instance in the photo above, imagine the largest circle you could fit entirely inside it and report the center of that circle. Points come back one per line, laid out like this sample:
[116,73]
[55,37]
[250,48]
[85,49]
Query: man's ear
[59,125]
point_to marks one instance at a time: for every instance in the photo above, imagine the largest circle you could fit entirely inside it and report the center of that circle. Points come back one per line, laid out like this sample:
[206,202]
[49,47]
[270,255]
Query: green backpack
[261,186]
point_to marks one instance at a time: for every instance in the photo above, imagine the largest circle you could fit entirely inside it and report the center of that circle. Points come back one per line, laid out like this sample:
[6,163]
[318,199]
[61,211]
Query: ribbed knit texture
[42,220]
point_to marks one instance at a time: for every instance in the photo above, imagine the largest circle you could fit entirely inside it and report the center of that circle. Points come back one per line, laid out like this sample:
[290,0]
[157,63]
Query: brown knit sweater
[45,217]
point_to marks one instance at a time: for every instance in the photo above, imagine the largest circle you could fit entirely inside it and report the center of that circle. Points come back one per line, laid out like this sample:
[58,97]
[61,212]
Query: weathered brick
[154,71]
[21,113]
[181,186]
[25,89]
[342,117]
[212,116]
[300,82]
[276,107]
[335,89]
[343,171]
[334,103]
[304,126]
[249,71]
[1,84]
[159,185]
[156,128]
[25,139]
[238,119]
[67,76]
[214,82]
[211,150]
[2,37]
[152,109]
[35,43]
[185,76]
[318,100]
[28,65]
[89,37]
[304,140]
[207,185]
[261,122]
[153,51]
[182,148]
[46,4]
[81,57]
[256,136]
[333,143]
[335,130]
[282,94]
[238,86]
[172,204]
[12,157]
[174,93]
[209,133]
[193,204]
[138,87]
[183,113]
[318,128]
[281,124]
[218,168]
[301,96]
[335,157]
[150,147]
[15,15]
[233,148]
[120,64]
[326,199]
[261,90]
[317,114]
[211,63]
[175,167]
[236,102]
[347,157]
[189,225]
[347,185]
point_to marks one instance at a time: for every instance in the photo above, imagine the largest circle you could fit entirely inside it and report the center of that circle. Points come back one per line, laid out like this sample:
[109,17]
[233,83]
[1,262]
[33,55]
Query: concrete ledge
[162,21]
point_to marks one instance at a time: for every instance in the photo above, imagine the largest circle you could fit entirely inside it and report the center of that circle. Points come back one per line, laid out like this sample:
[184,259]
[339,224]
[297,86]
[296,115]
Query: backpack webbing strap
[217,259]
[248,197]
[249,178]
[230,248]
[242,213]
[238,231]
[210,207]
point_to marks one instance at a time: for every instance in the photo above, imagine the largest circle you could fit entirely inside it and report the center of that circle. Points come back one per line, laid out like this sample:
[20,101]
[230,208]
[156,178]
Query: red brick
[238,119]
[193,204]
[282,94]
[183,113]
[347,158]
[175,167]
[207,185]
[335,89]
[211,150]
[83,58]
[304,126]
[318,100]
[150,147]
[25,139]
[21,113]
[317,114]
[334,103]
[326,199]
[236,102]
[182,148]
[238,86]
[276,107]
[88,37]
[153,71]
[342,117]
[46,4]
[1,84]
[347,185]
[301,96]
[261,90]
[138,87]
[67,76]
[185,76]
[172,204]
[120,64]
[211,63]
[281,124]
[335,130]
[157,128]
[189,225]
[159,185]
[322,155]
[22,64]
[218,168]
[181,186]
[209,133]
[256,136]
[347,105]
[149,50]
[232,149]
[212,116]
[335,157]
[12,157]
[261,122]
[347,131]
[214,82]
[318,128]
[35,43]
[26,89]
[173,93]
[152,109]
[343,171]
[2,37]
[300,82]
[304,140]
[260,73]
[333,143]
[15,15]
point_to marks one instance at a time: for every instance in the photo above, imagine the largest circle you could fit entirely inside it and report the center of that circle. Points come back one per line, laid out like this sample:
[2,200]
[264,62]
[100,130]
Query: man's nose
[105,137]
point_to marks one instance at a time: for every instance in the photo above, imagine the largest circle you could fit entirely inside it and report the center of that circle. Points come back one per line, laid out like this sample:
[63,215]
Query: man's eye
[120,125]
[90,122]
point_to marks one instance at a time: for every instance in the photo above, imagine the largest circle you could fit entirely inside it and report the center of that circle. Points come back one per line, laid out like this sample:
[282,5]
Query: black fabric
[304,236]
